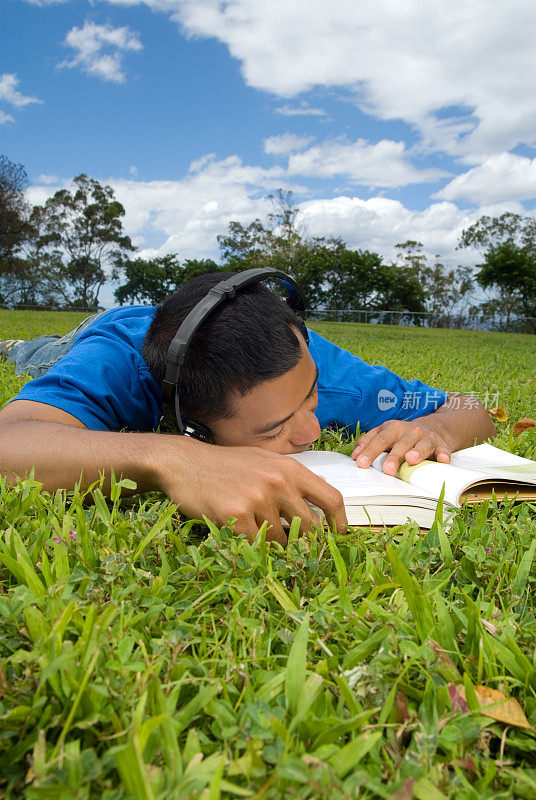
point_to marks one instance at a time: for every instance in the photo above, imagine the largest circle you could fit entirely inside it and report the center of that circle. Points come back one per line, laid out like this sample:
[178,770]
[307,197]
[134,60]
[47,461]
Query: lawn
[147,656]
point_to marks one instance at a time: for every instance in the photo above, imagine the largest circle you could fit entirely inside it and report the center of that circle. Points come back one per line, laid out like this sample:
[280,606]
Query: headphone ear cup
[196,430]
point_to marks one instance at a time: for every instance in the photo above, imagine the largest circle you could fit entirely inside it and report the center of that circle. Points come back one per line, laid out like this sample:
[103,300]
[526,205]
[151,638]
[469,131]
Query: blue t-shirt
[105,383]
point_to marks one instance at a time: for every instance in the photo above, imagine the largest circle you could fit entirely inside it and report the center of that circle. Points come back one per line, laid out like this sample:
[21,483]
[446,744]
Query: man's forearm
[465,420]
[62,455]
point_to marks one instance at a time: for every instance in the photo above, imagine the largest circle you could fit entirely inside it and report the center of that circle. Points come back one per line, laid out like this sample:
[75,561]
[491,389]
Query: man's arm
[460,422]
[248,483]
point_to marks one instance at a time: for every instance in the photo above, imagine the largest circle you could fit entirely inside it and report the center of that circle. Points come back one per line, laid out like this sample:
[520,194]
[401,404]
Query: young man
[250,376]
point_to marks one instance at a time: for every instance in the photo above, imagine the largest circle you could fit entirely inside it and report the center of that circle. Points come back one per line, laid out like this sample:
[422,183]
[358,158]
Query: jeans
[36,356]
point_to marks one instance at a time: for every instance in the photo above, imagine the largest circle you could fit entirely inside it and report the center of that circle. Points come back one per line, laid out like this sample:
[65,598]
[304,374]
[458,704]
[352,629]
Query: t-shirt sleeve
[351,391]
[105,386]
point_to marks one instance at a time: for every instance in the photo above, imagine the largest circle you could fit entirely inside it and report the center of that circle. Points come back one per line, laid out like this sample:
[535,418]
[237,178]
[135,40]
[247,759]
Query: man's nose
[306,429]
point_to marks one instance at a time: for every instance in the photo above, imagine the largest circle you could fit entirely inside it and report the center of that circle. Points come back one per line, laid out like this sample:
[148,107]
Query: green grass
[29,324]
[146,656]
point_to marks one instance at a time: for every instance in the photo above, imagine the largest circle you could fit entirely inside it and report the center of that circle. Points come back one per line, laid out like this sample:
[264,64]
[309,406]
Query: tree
[80,242]
[278,237]
[19,282]
[244,243]
[359,279]
[280,243]
[508,244]
[512,269]
[151,280]
[498,313]
[14,211]
[193,267]
[329,274]
[492,231]
[445,291]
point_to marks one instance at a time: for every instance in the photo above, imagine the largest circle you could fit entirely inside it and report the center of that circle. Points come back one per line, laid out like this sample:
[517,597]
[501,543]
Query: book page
[492,461]
[468,467]
[354,483]
[431,475]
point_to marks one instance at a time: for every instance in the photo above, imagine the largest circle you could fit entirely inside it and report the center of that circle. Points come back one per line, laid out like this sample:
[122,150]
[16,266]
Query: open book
[373,498]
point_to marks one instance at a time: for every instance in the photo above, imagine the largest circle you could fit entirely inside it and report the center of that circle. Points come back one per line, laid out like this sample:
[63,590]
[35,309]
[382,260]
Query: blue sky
[389,120]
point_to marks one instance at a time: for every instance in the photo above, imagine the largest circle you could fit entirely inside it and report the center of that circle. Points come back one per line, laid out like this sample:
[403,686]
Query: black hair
[245,341]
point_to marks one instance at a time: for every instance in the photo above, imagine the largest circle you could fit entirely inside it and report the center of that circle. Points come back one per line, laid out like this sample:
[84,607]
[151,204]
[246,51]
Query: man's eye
[274,435]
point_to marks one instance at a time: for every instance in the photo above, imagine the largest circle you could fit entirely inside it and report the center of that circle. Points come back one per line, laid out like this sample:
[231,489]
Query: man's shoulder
[126,315]
[103,380]
[330,357]
[126,325]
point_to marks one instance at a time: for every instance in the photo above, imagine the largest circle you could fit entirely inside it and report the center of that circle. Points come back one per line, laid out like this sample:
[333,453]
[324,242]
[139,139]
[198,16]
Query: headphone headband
[218,294]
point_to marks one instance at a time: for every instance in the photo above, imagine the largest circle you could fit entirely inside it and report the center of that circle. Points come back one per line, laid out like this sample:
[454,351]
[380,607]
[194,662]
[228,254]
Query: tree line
[61,253]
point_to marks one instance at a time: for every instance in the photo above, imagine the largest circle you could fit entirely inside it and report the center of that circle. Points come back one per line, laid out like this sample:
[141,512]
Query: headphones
[220,293]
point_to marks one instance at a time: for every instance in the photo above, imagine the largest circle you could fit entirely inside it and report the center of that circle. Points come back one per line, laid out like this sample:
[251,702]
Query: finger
[330,500]
[407,446]
[275,532]
[362,442]
[383,439]
[427,447]
[319,493]
[246,526]
[339,522]
[443,452]
[299,508]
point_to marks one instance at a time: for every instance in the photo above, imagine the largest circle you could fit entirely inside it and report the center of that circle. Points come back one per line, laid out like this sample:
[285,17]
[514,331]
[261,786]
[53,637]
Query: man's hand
[251,484]
[412,441]
[460,422]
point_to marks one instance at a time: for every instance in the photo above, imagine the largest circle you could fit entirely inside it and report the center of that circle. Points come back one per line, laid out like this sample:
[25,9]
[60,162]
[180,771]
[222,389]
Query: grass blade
[295,675]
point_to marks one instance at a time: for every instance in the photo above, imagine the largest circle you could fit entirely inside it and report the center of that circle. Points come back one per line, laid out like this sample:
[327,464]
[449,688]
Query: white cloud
[186,215]
[9,93]
[504,177]
[381,164]
[286,143]
[200,163]
[379,223]
[48,180]
[302,110]
[99,50]
[460,72]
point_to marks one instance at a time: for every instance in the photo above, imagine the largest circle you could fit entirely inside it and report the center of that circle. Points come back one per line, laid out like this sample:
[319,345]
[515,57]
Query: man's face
[278,414]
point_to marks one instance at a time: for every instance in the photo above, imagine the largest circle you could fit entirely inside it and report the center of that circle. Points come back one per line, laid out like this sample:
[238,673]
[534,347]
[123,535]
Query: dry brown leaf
[489,626]
[496,705]
[401,708]
[457,698]
[406,790]
[523,425]
[467,763]
[499,413]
